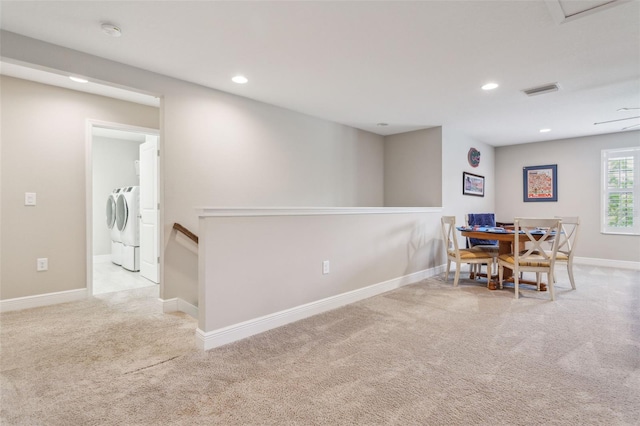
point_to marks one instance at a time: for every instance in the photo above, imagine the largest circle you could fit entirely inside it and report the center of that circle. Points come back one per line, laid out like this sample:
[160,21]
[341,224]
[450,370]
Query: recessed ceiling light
[545,130]
[78,79]
[382,124]
[240,79]
[489,86]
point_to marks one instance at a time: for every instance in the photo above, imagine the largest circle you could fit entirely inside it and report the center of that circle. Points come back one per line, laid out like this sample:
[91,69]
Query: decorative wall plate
[473,157]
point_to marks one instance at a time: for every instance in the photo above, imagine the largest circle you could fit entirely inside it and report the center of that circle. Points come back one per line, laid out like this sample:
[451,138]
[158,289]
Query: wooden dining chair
[536,234]
[458,255]
[567,244]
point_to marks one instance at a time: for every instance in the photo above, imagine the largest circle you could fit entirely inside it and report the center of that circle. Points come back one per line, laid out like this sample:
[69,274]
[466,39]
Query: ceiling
[411,65]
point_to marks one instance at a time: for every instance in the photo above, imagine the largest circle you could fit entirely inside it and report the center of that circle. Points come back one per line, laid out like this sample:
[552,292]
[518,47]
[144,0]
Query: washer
[116,240]
[127,222]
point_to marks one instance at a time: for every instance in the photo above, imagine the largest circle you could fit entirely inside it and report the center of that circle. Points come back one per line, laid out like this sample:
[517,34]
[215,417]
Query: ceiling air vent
[547,88]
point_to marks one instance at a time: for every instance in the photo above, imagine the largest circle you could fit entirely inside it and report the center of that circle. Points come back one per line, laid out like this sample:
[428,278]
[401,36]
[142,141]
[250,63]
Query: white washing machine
[127,222]
[116,240]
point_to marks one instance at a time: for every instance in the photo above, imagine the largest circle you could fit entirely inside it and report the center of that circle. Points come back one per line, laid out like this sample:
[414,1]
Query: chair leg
[457,277]
[446,277]
[516,283]
[500,274]
[570,271]
[538,280]
[552,290]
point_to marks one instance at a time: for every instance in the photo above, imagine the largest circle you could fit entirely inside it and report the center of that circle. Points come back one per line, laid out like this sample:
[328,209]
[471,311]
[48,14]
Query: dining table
[506,237]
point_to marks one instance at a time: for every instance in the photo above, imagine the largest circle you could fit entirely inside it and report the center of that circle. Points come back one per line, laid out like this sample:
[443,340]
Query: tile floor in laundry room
[109,277]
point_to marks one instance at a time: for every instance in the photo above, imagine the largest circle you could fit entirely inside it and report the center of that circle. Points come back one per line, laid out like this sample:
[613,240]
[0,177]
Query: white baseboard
[607,263]
[178,305]
[42,300]
[232,333]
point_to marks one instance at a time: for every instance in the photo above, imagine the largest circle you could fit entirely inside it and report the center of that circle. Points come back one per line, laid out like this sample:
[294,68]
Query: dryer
[116,240]
[127,222]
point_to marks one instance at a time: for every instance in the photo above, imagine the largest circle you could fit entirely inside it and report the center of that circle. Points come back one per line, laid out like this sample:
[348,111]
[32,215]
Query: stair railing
[193,237]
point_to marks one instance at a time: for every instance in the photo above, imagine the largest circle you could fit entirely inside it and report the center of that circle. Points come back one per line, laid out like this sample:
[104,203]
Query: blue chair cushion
[485,220]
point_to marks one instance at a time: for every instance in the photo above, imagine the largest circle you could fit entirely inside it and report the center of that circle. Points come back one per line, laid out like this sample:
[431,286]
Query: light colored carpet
[425,354]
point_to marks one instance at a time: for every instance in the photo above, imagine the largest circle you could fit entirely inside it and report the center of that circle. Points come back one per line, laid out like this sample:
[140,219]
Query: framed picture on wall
[540,183]
[472,184]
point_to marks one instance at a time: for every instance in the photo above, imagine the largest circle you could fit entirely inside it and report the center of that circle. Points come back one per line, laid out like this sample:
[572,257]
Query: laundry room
[116,195]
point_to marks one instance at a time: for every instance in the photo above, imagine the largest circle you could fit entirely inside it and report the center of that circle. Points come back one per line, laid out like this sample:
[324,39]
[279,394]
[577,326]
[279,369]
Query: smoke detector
[110,29]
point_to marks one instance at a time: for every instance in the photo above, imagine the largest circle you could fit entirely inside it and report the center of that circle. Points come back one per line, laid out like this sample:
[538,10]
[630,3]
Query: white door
[149,212]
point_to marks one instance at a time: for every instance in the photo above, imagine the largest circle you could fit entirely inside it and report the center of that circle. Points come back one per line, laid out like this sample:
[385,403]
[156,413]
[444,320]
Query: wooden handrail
[193,237]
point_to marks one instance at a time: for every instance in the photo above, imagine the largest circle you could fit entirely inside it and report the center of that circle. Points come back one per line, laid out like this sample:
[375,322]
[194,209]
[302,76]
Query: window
[621,191]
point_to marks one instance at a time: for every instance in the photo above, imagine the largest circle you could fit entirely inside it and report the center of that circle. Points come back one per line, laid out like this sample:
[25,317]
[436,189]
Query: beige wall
[44,151]
[579,174]
[224,150]
[255,266]
[413,169]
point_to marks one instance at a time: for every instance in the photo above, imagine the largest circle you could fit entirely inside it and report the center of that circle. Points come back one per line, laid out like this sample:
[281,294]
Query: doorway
[122,208]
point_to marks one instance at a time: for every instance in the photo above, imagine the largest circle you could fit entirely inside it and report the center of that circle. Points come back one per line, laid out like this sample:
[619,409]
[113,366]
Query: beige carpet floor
[425,354]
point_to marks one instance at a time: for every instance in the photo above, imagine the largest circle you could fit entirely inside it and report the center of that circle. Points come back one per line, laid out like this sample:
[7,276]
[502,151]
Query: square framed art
[540,183]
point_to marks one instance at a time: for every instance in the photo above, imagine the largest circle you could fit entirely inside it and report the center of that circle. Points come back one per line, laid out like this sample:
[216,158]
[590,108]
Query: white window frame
[607,155]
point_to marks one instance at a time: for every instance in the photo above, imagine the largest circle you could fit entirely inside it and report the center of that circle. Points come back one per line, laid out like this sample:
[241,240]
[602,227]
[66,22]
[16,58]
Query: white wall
[113,167]
[413,169]
[455,146]
[44,150]
[579,185]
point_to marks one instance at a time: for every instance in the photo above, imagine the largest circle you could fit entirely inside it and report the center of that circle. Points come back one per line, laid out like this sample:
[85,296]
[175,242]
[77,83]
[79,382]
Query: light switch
[42,264]
[29,198]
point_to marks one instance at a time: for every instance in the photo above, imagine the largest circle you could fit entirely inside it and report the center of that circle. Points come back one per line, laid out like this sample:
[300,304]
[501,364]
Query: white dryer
[116,240]
[127,222]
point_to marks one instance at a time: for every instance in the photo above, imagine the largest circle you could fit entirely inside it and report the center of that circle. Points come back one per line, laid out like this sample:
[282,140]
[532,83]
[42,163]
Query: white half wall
[254,266]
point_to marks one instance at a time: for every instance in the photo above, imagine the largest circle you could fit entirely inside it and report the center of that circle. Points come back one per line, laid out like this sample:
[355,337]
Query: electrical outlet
[42,264]
[325,267]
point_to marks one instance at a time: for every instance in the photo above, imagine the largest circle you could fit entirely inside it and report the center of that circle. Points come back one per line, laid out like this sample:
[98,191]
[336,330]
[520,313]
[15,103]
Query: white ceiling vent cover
[547,88]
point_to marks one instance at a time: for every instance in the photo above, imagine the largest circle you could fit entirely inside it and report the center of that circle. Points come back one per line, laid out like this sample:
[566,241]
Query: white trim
[559,16]
[169,305]
[38,300]
[232,333]
[178,305]
[309,211]
[90,123]
[606,156]
[607,263]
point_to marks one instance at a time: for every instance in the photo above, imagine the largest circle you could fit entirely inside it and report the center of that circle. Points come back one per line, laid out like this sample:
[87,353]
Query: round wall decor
[473,157]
